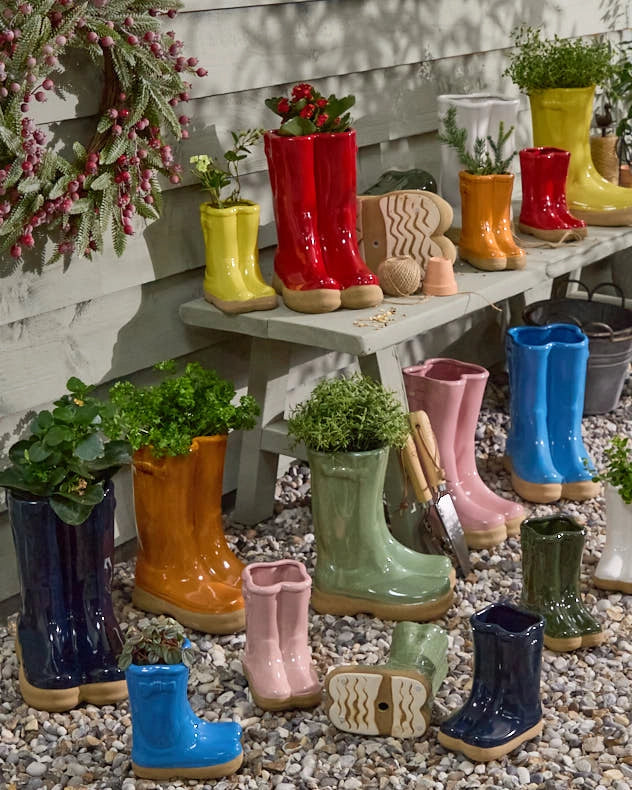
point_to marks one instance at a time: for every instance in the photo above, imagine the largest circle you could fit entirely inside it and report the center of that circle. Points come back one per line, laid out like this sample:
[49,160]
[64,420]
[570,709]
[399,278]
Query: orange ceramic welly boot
[175,573]
[503,185]
[478,244]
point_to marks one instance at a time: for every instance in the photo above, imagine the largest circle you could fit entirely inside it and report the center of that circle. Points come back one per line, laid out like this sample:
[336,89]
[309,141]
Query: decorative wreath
[115,176]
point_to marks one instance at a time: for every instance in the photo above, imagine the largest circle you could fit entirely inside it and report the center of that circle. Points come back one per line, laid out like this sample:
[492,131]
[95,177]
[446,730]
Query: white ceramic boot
[614,571]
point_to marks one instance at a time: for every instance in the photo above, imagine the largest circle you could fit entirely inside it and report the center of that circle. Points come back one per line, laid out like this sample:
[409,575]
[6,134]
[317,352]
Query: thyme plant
[618,471]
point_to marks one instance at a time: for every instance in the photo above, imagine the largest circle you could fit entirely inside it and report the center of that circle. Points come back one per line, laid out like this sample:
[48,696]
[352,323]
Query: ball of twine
[399,275]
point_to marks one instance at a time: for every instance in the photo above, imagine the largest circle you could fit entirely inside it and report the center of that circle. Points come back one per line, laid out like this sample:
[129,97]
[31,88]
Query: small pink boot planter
[451,393]
[277,660]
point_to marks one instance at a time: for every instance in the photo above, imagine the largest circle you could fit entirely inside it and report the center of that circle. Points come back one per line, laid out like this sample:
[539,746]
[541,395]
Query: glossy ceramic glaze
[552,549]
[183,558]
[277,657]
[451,393]
[357,558]
[614,571]
[561,118]
[501,222]
[478,243]
[393,698]
[168,739]
[504,703]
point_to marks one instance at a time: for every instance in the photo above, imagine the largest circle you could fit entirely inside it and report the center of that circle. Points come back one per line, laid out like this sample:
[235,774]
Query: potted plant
[230,224]
[178,429]
[614,571]
[60,499]
[560,76]
[312,165]
[348,426]
[486,185]
[620,94]
[168,740]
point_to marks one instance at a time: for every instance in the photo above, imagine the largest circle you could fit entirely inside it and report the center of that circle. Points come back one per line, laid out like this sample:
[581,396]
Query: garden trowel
[441,511]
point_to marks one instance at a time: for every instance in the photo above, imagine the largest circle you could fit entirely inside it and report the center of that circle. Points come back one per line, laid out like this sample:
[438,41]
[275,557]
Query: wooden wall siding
[116,317]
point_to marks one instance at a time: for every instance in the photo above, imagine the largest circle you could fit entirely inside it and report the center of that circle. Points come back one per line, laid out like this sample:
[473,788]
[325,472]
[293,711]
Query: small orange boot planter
[503,186]
[478,244]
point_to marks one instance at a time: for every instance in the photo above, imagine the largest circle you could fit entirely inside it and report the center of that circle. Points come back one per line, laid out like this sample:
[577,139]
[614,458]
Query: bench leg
[267,383]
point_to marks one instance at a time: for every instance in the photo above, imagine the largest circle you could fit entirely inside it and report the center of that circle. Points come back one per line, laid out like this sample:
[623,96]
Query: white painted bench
[275,332]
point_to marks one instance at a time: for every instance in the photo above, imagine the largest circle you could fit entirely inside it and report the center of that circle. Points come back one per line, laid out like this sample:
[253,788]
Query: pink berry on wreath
[174,179]
[128,21]
[48,84]
[133,40]
[107,41]
[16,251]
[61,41]
[117,129]
[201,72]
[92,37]
[40,96]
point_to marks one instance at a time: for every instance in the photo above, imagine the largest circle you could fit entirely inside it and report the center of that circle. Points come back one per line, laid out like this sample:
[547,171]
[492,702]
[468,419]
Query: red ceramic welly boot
[335,176]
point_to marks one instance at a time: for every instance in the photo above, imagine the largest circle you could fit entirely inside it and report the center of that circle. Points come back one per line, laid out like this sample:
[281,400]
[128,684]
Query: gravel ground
[586,694]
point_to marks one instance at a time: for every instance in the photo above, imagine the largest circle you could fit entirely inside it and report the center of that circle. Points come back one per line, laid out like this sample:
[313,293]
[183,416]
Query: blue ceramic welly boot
[567,382]
[503,709]
[528,454]
[49,670]
[168,740]
[87,554]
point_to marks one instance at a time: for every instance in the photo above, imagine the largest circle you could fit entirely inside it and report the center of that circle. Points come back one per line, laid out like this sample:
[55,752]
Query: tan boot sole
[613,584]
[285,703]
[568,234]
[359,296]
[567,644]
[485,539]
[480,755]
[540,493]
[204,772]
[486,264]
[320,300]
[604,219]
[331,603]
[513,525]
[378,701]
[516,262]
[581,490]
[228,623]
[243,306]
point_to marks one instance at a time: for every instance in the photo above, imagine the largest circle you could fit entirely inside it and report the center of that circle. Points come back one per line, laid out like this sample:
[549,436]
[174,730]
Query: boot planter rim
[478,623]
[275,588]
[477,372]
[572,526]
[516,333]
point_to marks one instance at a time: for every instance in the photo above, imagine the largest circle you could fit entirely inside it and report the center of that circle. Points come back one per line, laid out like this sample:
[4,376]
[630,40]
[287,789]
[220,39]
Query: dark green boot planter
[503,709]
[360,567]
[552,549]
[394,698]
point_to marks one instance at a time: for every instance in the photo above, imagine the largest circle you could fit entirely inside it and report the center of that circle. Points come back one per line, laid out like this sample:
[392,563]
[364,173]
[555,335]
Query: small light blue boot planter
[503,709]
[547,379]
[168,740]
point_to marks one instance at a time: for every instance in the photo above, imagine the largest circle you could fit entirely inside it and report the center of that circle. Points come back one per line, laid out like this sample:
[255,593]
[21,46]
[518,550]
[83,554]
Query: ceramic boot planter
[439,279]
[67,636]
[501,213]
[299,267]
[561,118]
[232,280]
[614,571]
[335,177]
[451,393]
[184,566]
[277,659]
[360,567]
[552,550]
[544,213]
[168,740]
[503,709]
[394,698]
[545,452]
[478,244]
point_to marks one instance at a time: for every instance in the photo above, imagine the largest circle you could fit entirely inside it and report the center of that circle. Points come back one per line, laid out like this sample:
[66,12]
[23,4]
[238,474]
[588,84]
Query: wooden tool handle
[427,449]
[414,472]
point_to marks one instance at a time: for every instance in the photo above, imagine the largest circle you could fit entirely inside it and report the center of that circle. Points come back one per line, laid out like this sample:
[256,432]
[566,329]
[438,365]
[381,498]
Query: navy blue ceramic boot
[503,709]
[45,642]
[87,553]
[168,740]
[567,383]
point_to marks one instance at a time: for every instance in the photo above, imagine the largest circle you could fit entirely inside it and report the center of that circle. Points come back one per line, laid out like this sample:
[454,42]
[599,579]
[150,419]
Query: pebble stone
[587,737]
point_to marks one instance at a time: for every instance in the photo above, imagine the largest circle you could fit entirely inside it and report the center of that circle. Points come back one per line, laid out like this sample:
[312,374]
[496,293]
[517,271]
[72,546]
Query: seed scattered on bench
[379,320]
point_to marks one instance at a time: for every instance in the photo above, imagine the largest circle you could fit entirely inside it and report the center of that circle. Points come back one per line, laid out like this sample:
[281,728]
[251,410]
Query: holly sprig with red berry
[113,179]
[307,111]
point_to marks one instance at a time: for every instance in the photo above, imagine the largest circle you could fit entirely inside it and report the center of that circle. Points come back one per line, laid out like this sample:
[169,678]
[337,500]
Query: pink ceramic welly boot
[437,388]
[267,621]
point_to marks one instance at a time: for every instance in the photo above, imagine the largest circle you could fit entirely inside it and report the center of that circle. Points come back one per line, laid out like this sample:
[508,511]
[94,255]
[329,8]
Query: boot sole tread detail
[227,623]
[379,701]
[202,772]
[481,755]
[332,603]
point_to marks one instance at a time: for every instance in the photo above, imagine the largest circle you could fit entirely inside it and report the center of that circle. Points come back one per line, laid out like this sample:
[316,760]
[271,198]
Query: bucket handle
[583,285]
[616,287]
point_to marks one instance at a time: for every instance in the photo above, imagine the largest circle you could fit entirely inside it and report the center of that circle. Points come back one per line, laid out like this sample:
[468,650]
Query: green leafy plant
[157,644]
[618,471]
[619,88]
[540,63]
[307,111]
[69,454]
[479,162]
[345,415]
[169,415]
[215,178]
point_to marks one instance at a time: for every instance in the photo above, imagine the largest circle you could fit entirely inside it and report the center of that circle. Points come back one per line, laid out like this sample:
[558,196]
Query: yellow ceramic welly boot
[561,118]
[224,286]
[247,233]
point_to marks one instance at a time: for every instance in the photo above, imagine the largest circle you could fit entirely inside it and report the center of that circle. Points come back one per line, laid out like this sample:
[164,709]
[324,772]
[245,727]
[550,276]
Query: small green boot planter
[552,550]
[503,709]
[394,698]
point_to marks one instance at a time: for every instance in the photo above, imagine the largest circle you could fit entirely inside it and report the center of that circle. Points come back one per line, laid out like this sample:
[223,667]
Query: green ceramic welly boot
[360,567]
[394,698]
[552,549]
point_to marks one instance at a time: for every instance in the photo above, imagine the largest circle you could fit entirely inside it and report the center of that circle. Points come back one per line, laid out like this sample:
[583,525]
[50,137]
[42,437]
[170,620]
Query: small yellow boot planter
[232,280]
